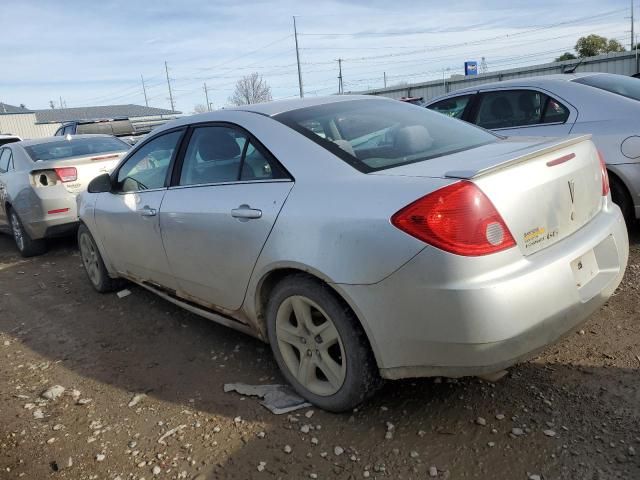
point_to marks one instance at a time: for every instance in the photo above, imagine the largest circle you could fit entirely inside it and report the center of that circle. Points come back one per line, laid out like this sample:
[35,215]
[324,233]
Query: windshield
[75,147]
[375,134]
[619,84]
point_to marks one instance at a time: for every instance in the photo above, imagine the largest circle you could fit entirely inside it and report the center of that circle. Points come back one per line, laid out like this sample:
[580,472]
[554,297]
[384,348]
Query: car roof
[539,81]
[43,140]
[281,106]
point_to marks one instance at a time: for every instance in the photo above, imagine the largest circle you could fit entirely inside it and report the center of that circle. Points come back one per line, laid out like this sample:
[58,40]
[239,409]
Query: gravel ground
[573,412]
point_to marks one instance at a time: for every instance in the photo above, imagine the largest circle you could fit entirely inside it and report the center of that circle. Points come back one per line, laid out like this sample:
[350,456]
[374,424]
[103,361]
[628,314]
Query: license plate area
[585,268]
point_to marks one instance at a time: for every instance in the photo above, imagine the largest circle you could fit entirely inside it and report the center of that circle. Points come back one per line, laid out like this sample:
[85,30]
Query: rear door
[522,111]
[128,217]
[6,164]
[217,216]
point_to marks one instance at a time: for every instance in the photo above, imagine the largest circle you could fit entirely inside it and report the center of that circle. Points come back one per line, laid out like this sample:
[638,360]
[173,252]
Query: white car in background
[604,105]
[39,182]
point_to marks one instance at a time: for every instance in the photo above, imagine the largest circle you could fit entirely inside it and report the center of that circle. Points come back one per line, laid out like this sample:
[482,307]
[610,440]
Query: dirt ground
[572,413]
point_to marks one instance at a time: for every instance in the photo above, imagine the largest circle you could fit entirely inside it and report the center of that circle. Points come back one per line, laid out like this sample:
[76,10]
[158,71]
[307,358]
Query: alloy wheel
[90,259]
[310,345]
[18,235]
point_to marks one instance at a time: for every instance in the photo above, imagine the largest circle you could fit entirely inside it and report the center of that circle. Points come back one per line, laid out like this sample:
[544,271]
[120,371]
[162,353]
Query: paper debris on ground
[123,293]
[277,398]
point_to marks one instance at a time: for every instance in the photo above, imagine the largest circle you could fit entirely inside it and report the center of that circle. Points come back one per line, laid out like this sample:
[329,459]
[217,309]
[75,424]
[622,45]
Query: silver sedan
[607,106]
[39,182]
[363,238]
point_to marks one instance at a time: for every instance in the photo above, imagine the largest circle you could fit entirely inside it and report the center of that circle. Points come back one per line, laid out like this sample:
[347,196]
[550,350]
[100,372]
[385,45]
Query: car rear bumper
[50,212]
[448,315]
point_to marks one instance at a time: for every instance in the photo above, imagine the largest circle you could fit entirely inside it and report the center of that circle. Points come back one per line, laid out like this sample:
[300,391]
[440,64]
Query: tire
[337,371]
[27,246]
[621,197]
[93,264]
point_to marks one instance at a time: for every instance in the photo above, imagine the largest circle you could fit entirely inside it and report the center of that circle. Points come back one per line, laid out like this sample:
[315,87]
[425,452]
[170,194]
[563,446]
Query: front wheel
[319,345]
[27,246]
[93,264]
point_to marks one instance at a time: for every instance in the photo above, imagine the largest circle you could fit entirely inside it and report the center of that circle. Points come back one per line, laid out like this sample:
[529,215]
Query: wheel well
[276,276]
[615,178]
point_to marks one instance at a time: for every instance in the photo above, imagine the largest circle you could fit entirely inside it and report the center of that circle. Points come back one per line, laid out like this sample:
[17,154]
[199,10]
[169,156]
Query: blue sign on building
[471,68]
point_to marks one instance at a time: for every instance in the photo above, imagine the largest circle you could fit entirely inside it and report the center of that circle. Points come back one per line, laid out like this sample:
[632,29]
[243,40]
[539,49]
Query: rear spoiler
[546,146]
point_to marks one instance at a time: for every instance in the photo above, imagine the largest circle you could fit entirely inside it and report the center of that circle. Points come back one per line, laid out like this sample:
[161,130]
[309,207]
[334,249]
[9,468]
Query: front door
[217,219]
[128,217]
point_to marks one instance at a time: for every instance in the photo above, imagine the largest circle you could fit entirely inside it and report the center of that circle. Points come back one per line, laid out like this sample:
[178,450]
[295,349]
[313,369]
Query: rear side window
[74,147]
[452,107]
[619,84]
[5,160]
[4,141]
[220,154]
[518,108]
[374,134]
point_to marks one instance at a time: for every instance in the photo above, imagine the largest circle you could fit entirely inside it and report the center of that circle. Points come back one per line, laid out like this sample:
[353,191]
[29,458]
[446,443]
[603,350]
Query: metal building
[624,63]
[43,123]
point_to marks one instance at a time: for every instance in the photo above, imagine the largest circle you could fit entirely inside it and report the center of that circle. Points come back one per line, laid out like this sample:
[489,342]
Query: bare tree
[251,89]
[200,108]
[52,104]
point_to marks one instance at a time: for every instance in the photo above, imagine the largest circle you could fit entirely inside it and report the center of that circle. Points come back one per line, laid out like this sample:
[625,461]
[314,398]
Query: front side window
[452,107]
[148,166]
[220,154]
[518,108]
[619,84]
[374,134]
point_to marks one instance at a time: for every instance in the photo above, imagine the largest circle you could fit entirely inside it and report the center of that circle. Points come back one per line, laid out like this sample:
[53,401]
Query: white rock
[313,475]
[414,454]
[51,440]
[309,414]
[631,451]
[123,293]
[305,428]
[156,470]
[481,421]
[388,435]
[491,444]
[500,416]
[58,426]
[261,466]
[52,393]
[390,426]
[142,464]
[6,343]
[69,462]
[83,401]
[217,429]
[100,457]
[517,431]
[337,450]
[366,474]
[314,440]
[37,414]
[433,471]
[137,398]
[237,420]
[549,433]
[287,449]
[534,477]
[421,433]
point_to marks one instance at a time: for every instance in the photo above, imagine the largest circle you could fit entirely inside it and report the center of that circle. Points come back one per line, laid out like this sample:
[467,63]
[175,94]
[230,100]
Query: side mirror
[100,184]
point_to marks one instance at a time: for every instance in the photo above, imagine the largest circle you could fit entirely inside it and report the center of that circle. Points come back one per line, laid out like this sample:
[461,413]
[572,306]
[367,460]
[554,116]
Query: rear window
[619,84]
[374,135]
[74,147]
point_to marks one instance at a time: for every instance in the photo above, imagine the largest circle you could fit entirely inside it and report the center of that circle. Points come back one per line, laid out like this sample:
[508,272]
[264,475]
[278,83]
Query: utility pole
[144,90]
[384,76]
[61,104]
[633,37]
[206,95]
[340,87]
[295,34]
[166,69]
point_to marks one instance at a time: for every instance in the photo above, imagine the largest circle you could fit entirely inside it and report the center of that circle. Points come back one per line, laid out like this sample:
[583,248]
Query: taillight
[67,174]
[458,218]
[605,175]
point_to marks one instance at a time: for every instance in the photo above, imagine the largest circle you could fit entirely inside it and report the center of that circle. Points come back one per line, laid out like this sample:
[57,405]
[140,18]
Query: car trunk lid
[87,168]
[544,189]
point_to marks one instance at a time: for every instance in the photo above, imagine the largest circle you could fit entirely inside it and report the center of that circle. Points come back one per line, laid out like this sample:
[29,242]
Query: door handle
[245,212]
[147,211]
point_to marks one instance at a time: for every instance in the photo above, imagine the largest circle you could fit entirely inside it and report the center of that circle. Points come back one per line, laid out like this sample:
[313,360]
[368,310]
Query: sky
[94,52]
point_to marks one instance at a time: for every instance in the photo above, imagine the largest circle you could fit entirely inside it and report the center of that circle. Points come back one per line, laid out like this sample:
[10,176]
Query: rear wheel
[93,264]
[621,197]
[27,246]
[319,345]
